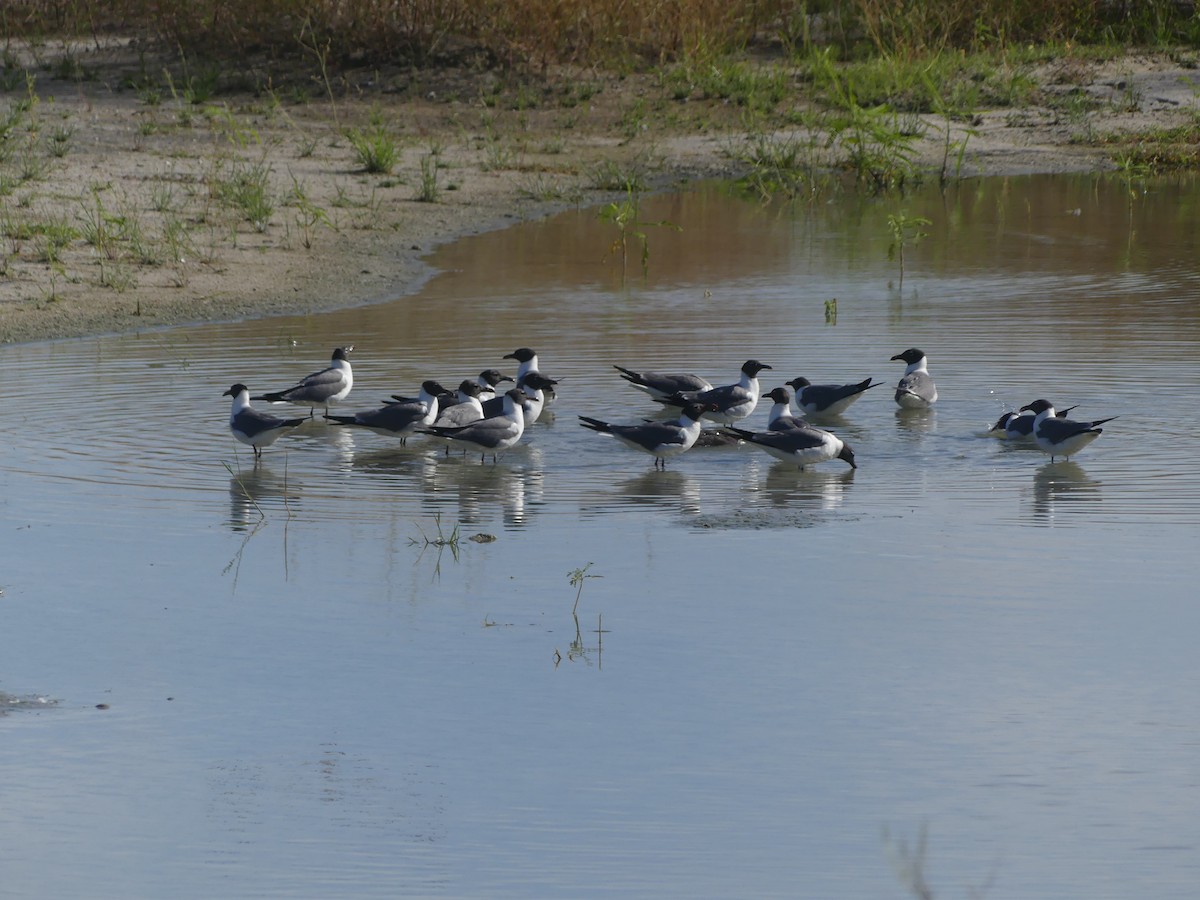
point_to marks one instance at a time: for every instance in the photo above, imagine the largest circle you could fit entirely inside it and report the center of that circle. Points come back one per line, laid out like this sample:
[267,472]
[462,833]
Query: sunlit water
[778,680]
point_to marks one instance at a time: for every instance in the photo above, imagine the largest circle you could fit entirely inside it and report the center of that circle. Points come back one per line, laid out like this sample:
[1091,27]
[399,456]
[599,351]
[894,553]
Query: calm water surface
[778,681]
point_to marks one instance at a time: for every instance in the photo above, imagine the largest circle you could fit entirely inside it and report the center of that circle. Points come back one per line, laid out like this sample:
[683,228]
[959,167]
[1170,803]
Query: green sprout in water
[577,578]
[906,230]
[626,216]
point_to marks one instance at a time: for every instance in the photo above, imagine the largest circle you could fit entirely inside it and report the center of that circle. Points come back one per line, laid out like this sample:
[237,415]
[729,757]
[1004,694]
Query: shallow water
[778,679]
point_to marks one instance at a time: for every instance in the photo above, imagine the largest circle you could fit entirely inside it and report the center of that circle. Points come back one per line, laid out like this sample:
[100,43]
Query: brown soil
[140,168]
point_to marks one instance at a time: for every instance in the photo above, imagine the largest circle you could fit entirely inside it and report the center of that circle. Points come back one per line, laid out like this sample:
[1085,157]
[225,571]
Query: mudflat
[126,207]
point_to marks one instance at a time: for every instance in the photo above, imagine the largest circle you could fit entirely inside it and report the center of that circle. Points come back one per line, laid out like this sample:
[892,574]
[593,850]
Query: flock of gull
[479,415]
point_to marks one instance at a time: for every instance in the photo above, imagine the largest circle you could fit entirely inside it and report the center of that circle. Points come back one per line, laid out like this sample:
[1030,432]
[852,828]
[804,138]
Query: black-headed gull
[916,389]
[324,388]
[258,429]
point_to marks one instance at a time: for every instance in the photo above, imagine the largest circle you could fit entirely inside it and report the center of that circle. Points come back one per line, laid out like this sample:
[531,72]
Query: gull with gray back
[324,388]
[248,425]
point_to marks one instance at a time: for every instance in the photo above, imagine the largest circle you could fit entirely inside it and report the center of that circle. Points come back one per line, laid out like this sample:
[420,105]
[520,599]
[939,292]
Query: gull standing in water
[661,385]
[661,440]
[399,418]
[803,445]
[258,429]
[1016,426]
[729,403]
[489,435]
[916,389]
[780,417]
[827,399]
[324,388]
[1061,437]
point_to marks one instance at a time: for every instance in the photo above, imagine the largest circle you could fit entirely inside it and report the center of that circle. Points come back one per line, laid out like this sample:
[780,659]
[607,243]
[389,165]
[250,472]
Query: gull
[528,362]
[534,386]
[465,408]
[780,417]
[660,385]
[489,434]
[827,399]
[1061,437]
[399,418]
[488,381]
[729,403]
[803,445]
[1014,426]
[661,440]
[324,388]
[916,389]
[258,429]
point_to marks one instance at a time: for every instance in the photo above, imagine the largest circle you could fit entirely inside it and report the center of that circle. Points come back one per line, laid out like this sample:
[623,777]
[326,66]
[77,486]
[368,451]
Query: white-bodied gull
[780,417]
[1017,426]
[528,363]
[661,440]
[258,429]
[489,435]
[729,403]
[916,389]
[324,388]
[661,385]
[828,399]
[803,445]
[1061,437]
[534,387]
[399,418]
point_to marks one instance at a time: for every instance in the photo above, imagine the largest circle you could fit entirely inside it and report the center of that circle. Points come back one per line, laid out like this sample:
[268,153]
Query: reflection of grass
[441,541]
[237,476]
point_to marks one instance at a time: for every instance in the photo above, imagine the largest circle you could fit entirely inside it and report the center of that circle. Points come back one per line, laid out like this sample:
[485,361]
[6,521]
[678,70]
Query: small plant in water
[577,577]
[625,215]
[906,230]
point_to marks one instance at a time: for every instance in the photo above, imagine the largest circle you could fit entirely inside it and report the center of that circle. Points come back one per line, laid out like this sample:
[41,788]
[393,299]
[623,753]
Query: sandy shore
[141,220]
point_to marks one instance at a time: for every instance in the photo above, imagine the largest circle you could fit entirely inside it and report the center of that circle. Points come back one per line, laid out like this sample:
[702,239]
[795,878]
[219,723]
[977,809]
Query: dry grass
[536,34]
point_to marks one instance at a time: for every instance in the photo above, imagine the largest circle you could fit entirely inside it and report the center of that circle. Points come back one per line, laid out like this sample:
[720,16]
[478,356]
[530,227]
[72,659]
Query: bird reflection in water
[811,489]
[515,485]
[1060,488]
[255,492]
[672,490]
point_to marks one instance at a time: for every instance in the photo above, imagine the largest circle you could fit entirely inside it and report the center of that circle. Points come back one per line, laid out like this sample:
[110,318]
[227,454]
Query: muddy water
[777,681]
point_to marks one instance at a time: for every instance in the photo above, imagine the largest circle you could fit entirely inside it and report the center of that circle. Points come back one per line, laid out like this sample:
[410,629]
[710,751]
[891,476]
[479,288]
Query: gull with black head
[324,388]
[916,389]
[662,440]
[1061,437]
[399,418]
[491,434]
[258,429]
[728,403]
[803,445]
[828,399]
